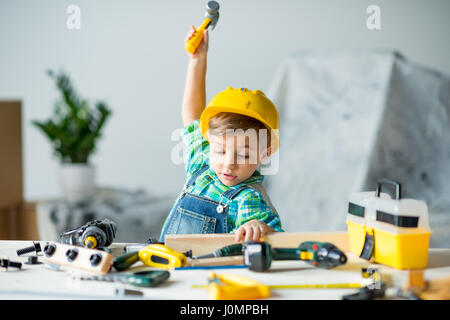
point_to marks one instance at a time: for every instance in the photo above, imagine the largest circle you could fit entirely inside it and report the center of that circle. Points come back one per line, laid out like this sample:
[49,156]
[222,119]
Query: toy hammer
[211,18]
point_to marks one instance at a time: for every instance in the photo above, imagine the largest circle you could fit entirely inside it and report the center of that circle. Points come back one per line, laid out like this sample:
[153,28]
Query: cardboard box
[27,223]
[8,223]
[11,192]
[19,222]
[17,218]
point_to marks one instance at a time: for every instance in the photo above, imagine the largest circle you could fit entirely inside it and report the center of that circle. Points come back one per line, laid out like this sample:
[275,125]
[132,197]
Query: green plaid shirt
[246,206]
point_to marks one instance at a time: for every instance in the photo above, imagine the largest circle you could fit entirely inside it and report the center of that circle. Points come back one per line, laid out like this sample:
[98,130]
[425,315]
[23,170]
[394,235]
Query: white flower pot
[77,182]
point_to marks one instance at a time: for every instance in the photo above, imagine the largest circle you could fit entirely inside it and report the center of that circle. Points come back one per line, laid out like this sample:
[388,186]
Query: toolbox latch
[369,244]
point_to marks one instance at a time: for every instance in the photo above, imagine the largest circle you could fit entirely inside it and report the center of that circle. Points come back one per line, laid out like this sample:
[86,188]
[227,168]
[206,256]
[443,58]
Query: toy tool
[132,247]
[85,259]
[320,254]
[140,279]
[391,231]
[239,266]
[153,255]
[211,18]
[5,263]
[231,250]
[258,256]
[234,287]
[36,247]
[376,289]
[94,234]
[126,260]
[160,256]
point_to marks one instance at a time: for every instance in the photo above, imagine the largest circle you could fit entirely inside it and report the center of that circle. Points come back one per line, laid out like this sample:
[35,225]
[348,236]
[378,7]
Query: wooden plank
[206,243]
[219,261]
[82,260]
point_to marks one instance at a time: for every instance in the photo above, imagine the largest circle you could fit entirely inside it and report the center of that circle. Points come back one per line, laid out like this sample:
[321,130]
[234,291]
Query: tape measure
[235,287]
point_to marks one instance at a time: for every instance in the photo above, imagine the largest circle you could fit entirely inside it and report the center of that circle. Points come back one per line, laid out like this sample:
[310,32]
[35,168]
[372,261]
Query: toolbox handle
[398,187]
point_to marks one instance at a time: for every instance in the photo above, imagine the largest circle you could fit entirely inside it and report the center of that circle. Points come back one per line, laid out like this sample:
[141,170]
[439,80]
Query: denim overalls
[198,214]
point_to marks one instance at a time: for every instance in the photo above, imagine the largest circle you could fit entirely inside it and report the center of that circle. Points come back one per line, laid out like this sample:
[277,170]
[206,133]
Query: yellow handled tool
[211,18]
[153,255]
[160,256]
[235,287]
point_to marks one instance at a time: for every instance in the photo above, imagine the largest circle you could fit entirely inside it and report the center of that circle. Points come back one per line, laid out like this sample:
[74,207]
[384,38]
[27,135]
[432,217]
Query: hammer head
[212,12]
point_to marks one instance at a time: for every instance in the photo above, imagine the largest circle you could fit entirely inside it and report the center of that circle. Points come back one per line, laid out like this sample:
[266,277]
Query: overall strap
[195,175]
[230,194]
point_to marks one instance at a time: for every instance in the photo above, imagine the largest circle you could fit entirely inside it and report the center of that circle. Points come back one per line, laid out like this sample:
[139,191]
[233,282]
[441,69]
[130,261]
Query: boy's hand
[252,231]
[202,48]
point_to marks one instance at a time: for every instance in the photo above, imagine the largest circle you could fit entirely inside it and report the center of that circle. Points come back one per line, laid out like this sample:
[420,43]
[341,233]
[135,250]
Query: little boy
[223,192]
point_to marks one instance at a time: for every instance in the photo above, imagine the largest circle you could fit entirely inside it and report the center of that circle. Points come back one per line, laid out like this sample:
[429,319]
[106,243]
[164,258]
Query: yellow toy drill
[211,18]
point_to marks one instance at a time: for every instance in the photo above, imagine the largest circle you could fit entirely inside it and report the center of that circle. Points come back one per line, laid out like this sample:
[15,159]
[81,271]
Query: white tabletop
[40,282]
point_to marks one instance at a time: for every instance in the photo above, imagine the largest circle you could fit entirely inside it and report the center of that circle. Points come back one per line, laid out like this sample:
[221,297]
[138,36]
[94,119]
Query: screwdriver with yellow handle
[211,18]
[153,255]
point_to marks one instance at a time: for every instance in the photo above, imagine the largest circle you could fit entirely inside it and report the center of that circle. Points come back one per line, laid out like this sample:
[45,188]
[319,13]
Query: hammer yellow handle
[193,43]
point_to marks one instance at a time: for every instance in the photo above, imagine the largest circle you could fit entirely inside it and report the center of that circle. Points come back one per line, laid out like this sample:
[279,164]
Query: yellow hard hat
[253,104]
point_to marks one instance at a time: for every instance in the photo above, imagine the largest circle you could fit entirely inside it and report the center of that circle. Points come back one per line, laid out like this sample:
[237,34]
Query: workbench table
[40,282]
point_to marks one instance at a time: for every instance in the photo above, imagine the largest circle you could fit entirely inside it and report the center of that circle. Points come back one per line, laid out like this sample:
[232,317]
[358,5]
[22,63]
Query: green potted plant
[74,131]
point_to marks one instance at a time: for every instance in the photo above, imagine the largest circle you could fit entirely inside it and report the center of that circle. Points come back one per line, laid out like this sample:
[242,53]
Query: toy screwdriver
[140,279]
[231,250]
[153,255]
[211,18]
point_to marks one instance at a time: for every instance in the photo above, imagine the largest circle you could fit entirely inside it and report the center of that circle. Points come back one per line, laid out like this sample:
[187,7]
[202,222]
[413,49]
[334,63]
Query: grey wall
[130,53]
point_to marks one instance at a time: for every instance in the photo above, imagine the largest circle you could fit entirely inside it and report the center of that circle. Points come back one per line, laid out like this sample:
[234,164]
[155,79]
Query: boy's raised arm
[194,97]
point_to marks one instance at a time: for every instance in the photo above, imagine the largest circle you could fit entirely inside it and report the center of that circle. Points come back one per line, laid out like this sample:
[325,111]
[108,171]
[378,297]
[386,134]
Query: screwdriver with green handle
[144,279]
[258,256]
[125,261]
[227,251]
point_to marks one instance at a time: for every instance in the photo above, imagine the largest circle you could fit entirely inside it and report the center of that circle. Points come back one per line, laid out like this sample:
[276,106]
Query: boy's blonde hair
[223,121]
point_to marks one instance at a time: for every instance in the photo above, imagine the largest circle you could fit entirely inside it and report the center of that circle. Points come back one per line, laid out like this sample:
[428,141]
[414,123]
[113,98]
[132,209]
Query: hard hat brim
[211,111]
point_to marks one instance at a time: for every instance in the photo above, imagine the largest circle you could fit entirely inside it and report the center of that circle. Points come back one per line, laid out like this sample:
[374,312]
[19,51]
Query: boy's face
[234,157]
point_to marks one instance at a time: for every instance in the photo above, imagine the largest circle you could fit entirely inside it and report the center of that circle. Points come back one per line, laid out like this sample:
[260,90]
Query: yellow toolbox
[394,232]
